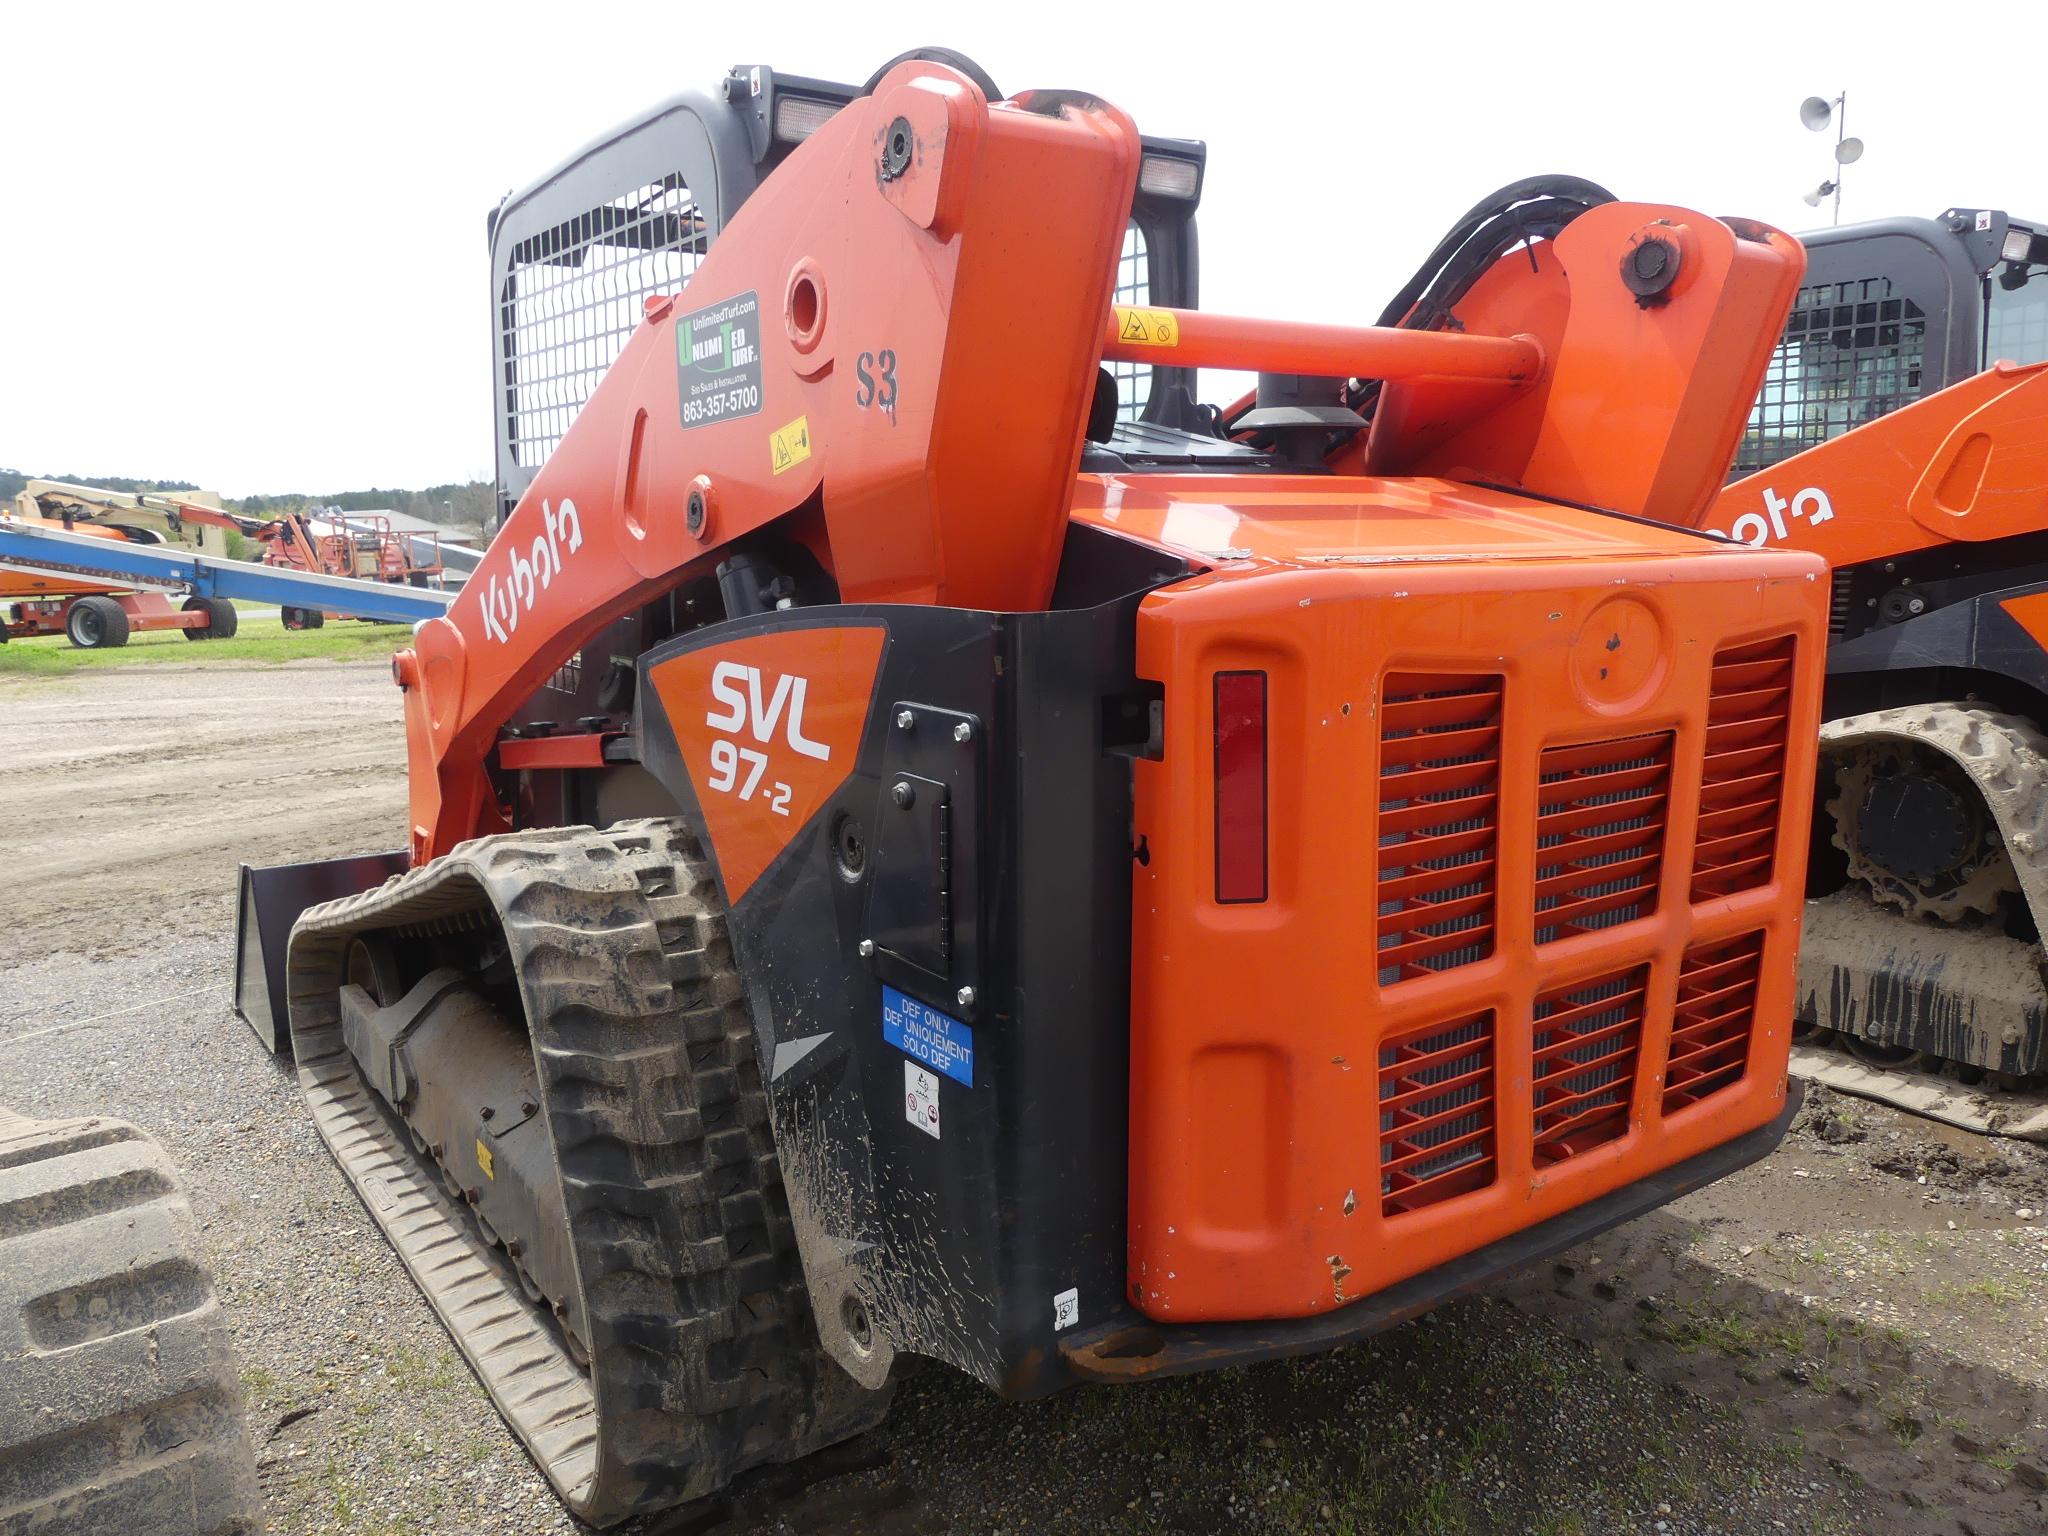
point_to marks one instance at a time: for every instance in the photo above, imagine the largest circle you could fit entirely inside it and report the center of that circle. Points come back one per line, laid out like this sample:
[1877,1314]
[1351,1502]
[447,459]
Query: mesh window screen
[1851,352]
[571,297]
[1133,286]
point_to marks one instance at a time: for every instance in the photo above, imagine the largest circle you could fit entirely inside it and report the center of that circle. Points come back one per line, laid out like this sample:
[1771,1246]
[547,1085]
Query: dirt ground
[1849,1338]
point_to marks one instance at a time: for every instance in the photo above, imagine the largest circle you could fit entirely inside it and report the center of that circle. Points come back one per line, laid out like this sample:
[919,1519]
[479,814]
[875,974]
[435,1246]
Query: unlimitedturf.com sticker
[718,361]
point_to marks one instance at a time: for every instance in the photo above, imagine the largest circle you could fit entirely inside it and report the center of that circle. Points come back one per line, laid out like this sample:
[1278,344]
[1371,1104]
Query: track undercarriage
[1925,966]
[592,1204]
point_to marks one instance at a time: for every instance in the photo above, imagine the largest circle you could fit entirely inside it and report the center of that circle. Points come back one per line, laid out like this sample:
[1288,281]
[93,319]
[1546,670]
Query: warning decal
[921,1099]
[718,361]
[483,1160]
[789,445]
[1066,1309]
[1146,327]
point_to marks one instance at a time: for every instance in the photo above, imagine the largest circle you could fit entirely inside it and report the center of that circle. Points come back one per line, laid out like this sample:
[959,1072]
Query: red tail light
[1240,786]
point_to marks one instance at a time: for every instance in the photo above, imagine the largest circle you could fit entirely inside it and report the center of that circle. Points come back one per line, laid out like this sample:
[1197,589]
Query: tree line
[12,481]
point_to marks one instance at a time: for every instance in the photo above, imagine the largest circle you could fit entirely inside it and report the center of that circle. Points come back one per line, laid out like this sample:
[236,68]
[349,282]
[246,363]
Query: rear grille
[1436,1113]
[1710,1028]
[1742,779]
[1600,846]
[1600,833]
[1439,793]
[1583,1062]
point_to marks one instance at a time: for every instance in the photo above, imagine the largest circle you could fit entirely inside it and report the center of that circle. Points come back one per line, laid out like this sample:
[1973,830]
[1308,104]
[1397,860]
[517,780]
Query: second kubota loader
[924,845]
[1902,432]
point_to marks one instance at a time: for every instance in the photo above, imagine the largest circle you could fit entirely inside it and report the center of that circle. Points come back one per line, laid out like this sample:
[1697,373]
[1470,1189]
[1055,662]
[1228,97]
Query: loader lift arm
[939,488]
[943,492]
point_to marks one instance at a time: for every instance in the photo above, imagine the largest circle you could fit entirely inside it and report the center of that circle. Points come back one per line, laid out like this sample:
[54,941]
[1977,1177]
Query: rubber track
[119,1405]
[2006,758]
[704,1358]
[2022,1116]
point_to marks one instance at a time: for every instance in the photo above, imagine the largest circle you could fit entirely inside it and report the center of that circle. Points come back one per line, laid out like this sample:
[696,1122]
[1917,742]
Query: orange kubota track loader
[1902,433]
[925,843]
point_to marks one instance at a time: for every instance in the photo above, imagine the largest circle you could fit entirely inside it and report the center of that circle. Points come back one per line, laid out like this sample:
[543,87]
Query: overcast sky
[245,247]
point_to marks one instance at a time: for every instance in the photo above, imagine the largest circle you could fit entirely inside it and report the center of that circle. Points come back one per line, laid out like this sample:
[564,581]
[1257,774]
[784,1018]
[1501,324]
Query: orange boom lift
[927,842]
[35,600]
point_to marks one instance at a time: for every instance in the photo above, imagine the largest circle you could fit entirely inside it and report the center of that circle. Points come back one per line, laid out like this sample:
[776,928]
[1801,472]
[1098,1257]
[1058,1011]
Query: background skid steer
[1902,432]
[887,870]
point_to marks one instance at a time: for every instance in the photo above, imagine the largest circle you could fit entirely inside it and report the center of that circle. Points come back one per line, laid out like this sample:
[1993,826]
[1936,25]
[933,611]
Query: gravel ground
[1822,1344]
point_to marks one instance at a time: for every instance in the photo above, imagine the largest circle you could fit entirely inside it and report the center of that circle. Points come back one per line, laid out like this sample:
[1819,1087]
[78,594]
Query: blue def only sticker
[924,1034]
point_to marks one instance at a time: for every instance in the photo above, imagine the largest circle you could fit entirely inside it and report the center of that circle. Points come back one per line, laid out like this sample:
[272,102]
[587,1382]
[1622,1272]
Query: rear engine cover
[1535,840]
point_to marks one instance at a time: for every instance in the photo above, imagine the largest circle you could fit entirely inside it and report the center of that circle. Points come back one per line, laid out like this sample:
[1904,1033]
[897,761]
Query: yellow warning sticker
[483,1160]
[790,445]
[1146,327]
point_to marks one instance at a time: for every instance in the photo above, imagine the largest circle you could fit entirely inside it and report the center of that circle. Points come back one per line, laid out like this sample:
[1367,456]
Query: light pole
[1817,112]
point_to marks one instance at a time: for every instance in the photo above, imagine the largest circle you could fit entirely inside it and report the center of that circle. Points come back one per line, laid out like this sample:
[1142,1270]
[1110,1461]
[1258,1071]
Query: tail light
[1240,786]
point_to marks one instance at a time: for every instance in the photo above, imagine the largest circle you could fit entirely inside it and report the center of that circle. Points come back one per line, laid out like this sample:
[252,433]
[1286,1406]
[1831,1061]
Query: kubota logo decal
[1769,526]
[768,727]
[533,571]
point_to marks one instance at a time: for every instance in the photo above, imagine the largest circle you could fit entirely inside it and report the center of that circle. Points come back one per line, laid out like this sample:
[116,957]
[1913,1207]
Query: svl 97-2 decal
[747,701]
[769,727]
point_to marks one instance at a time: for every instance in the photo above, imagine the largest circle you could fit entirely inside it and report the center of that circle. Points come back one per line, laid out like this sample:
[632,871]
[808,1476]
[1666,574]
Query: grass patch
[414,1372]
[1790,1448]
[1441,1513]
[258,1383]
[2004,1456]
[255,639]
[1696,1329]
[1999,1293]
[1481,1439]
